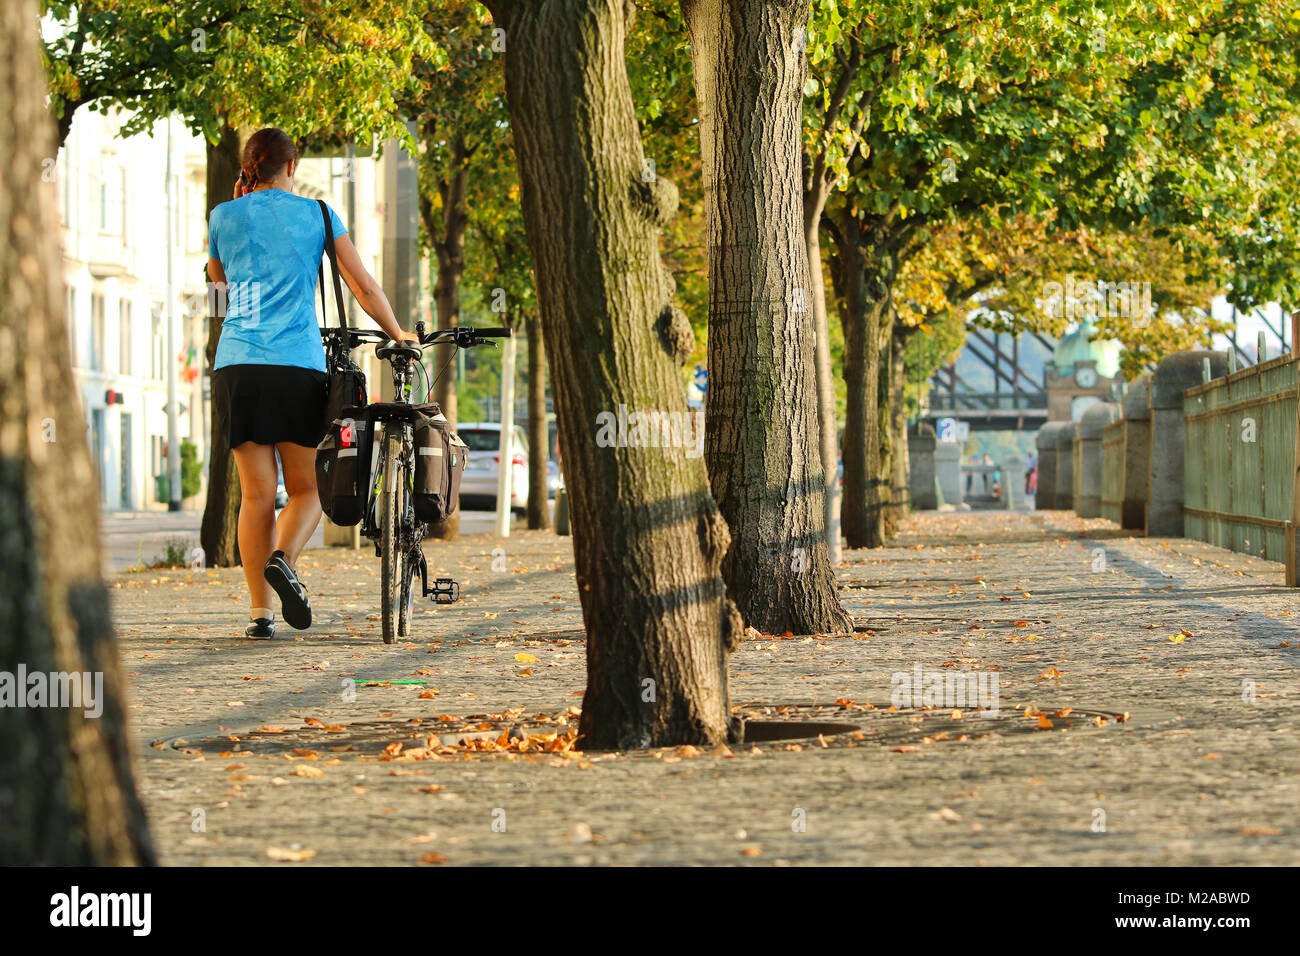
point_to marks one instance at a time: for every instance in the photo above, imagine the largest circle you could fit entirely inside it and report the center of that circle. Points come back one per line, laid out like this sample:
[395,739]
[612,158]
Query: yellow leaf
[526,659]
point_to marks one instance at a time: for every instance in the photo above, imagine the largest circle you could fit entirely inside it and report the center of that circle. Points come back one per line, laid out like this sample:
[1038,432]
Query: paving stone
[1068,613]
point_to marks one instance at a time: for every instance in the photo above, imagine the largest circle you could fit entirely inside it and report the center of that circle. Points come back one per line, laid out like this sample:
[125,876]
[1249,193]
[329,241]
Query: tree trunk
[885,423]
[763,433]
[539,438]
[67,795]
[648,540]
[448,238]
[862,304]
[218,534]
[814,204]
[900,498]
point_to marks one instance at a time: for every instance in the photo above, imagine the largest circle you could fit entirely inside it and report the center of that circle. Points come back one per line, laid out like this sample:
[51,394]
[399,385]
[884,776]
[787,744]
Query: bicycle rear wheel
[393,544]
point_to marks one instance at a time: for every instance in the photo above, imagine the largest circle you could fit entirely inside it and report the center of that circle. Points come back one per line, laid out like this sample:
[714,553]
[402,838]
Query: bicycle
[388,518]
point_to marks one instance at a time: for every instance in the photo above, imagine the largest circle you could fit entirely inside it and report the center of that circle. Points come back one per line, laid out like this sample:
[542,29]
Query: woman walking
[269,385]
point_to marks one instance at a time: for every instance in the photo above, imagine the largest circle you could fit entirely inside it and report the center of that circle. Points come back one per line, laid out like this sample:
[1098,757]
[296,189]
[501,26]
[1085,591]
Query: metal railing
[1239,459]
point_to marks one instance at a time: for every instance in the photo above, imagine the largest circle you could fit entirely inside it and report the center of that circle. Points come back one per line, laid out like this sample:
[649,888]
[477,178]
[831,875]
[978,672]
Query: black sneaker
[260,629]
[294,605]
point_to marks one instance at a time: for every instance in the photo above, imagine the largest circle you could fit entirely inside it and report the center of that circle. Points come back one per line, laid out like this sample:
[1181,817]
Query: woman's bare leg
[257,481]
[298,519]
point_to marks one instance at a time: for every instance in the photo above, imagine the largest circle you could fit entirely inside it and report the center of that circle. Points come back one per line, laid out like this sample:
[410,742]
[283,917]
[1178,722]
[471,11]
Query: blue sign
[700,377]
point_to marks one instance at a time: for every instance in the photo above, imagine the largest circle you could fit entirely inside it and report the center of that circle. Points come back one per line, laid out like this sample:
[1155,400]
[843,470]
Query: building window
[97,331]
[112,212]
[61,170]
[157,345]
[125,336]
[72,324]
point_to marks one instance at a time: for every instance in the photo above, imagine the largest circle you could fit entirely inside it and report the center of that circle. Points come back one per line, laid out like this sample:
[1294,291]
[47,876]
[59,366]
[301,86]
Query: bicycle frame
[402,534]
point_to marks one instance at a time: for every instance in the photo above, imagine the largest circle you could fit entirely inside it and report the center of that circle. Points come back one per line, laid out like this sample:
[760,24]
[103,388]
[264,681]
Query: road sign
[963,431]
[947,429]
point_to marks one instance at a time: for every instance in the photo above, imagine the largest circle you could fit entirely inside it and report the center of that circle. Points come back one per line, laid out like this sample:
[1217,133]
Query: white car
[478,486]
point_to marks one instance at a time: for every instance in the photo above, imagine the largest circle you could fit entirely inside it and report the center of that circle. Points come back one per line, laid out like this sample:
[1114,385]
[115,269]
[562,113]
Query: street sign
[946,428]
[963,431]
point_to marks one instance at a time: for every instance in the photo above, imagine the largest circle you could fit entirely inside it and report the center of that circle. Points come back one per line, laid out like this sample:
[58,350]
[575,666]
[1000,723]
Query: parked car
[478,486]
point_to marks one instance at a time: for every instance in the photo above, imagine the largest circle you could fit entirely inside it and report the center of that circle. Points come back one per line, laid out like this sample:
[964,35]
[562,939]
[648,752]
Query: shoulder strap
[334,268]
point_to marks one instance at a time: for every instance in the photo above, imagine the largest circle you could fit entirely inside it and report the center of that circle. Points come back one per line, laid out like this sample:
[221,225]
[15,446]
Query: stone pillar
[1174,375]
[1066,433]
[947,468]
[1045,442]
[1136,410]
[1087,480]
[1013,481]
[921,475]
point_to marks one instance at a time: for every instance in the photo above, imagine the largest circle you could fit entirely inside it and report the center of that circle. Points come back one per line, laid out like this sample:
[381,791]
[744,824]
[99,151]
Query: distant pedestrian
[269,382]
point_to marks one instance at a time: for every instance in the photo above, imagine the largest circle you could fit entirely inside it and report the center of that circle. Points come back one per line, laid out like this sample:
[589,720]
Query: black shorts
[268,404]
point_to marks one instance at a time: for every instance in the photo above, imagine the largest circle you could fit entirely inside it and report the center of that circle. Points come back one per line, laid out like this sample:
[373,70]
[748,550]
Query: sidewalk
[1196,775]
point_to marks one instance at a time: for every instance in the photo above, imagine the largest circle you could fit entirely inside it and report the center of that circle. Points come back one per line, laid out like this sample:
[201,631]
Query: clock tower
[1082,372]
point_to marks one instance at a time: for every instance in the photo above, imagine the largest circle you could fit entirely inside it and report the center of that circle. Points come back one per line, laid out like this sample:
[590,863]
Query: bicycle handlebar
[462,336]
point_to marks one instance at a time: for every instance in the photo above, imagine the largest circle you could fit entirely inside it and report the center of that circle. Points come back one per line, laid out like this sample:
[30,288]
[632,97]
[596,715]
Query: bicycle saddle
[392,349]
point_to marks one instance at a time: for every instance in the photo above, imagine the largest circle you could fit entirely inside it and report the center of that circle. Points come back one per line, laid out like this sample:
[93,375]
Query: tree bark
[447,234]
[219,532]
[67,795]
[884,477]
[648,539]
[814,204]
[762,435]
[900,497]
[539,438]
[862,303]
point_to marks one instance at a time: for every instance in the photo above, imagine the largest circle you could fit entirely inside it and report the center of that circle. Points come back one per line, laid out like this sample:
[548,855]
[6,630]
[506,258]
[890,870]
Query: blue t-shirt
[270,243]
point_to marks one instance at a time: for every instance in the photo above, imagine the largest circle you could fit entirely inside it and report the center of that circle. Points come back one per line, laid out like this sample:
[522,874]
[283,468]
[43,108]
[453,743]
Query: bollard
[1066,433]
[1137,452]
[1013,481]
[1174,375]
[947,468]
[561,512]
[1045,443]
[1087,476]
[921,470]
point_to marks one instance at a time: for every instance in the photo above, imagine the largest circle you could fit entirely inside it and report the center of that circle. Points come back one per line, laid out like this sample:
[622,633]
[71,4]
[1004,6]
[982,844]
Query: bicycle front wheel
[392,510]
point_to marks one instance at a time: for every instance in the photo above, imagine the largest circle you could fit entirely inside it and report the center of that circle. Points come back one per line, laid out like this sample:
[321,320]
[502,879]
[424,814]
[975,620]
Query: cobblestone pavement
[1199,646]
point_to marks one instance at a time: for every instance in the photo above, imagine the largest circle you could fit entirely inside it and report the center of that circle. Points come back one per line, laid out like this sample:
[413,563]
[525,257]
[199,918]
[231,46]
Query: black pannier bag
[440,458]
[343,466]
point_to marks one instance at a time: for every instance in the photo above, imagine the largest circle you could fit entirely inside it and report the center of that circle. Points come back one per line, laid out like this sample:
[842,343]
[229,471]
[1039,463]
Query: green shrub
[191,469]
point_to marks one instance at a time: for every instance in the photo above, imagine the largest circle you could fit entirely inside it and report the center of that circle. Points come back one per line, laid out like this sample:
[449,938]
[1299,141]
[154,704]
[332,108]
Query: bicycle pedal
[444,591]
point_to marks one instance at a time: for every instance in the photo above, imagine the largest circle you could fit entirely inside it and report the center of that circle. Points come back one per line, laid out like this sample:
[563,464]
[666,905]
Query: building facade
[113,202]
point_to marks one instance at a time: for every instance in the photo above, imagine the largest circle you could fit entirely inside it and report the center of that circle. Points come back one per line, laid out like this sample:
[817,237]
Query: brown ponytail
[266,153]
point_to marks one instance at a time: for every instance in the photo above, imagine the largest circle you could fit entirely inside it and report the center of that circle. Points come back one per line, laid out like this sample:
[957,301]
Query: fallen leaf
[286,855]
